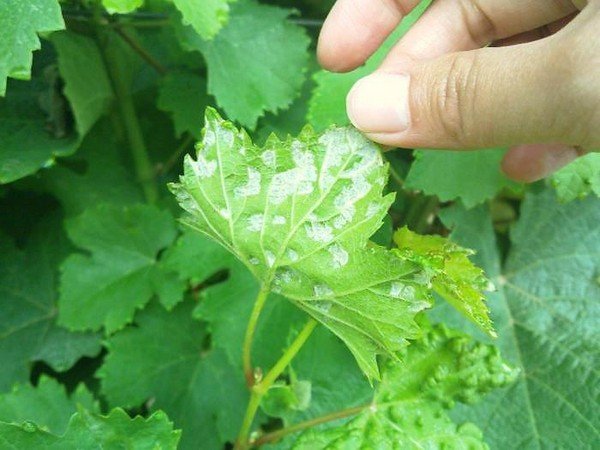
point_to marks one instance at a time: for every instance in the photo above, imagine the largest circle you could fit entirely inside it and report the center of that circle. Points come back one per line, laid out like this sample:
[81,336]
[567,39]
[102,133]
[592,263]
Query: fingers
[476,99]
[535,161]
[457,25]
[538,33]
[354,29]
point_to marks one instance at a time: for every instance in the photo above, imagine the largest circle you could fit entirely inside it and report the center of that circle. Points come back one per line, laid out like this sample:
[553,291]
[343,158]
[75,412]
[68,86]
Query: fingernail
[556,158]
[379,103]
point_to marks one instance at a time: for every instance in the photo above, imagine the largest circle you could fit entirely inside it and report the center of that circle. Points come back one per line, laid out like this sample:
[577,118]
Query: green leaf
[206,17]
[408,409]
[90,431]
[106,286]
[47,405]
[196,386]
[183,95]
[95,175]
[472,176]
[122,6]
[546,312]
[20,22]
[455,277]
[299,214]
[244,50]
[578,179]
[28,330]
[25,143]
[87,86]
[327,105]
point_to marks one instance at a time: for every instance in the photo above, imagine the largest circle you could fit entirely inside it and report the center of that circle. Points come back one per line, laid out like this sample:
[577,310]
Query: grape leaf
[299,214]
[327,105]
[408,408]
[196,386]
[473,176]
[19,24]
[25,144]
[245,50]
[122,6]
[87,85]
[90,431]
[546,312]
[47,405]
[106,286]
[206,17]
[578,179]
[28,330]
[456,278]
[184,96]
[82,180]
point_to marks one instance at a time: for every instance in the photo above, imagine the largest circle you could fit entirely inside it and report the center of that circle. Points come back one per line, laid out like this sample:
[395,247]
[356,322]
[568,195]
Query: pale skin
[474,74]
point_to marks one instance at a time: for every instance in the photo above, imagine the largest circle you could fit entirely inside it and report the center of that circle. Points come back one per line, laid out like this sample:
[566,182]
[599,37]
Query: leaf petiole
[261,388]
[259,303]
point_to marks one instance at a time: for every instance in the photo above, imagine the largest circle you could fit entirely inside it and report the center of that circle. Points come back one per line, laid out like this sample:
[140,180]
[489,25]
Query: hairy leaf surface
[546,312]
[20,23]
[106,286]
[578,179]
[299,214]
[408,409]
[90,431]
[202,393]
[244,50]
[47,404]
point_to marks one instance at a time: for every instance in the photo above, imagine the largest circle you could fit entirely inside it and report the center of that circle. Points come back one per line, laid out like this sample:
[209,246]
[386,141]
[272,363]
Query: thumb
[481,98]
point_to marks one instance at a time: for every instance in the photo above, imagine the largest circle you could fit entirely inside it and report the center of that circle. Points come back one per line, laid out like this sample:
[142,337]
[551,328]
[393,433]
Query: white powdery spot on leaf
[270,257]
[322,290]
[209,138]
[254,261]
[252,186]
[291,255]
[227,136]
[255,222]
[338,254]
[322,306]
[225,213]
[269,158]
[319,232]
[352,193]
[283,277]
[372,209]
[279,220]
[399,290]
[203,168]
[345,216]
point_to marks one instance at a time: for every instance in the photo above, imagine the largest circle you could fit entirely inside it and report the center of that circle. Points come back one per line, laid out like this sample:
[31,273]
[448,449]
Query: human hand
[537,89]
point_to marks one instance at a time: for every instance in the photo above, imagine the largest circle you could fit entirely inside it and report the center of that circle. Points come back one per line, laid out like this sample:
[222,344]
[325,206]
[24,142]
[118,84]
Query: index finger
[354,29]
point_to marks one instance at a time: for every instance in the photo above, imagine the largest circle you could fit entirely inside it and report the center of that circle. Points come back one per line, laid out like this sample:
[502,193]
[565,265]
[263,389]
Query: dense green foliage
[300,289]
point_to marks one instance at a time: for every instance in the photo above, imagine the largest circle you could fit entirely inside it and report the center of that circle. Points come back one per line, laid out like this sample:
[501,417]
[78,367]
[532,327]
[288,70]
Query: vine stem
[276,435]
[143,166]
[261,388]
[259,303]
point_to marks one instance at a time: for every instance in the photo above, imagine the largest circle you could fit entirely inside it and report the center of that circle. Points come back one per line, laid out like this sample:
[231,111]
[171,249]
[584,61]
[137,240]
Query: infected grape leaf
[299,213]
[206,17]
[408,410]
[578,179]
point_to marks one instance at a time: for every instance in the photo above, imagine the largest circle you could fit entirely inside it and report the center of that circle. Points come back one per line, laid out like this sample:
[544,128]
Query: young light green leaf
[244,50]
[28,330]
[408,409]
[202,393]
[578,179]
[91,431]
[299,214]
[106,286]
[20,21]
[455,277]
[471,176]
[546,312]
[207,17]
[121,6]
[183,95]
[47,404]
